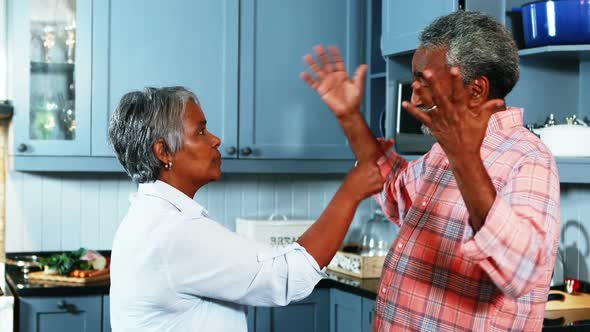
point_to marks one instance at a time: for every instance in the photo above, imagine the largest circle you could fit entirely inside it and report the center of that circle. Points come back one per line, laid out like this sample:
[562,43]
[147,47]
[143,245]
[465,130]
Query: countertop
[363,287]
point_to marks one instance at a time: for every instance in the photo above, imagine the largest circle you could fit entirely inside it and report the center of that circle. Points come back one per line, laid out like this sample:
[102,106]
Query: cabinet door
[368,308]
[50,47]
[345,312]
[69,314]
[310,315]
[404,20]
[280,116]
[141,43]
[106,313]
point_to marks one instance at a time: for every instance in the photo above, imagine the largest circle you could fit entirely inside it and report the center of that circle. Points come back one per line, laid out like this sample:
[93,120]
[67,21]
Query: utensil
[25,262]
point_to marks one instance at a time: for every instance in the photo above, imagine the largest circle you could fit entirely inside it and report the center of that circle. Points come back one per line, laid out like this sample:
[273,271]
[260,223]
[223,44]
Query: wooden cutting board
[54,278]
[571,301]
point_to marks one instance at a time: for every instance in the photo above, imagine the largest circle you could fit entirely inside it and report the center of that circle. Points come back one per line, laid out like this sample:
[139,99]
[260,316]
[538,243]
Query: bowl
[558,22]
[566,140]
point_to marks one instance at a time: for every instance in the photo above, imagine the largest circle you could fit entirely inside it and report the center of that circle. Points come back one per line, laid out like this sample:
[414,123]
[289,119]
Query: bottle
[377,235]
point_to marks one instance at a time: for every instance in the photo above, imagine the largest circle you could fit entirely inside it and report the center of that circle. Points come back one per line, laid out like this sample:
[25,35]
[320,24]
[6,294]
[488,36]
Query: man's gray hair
[141,118]
[479,46]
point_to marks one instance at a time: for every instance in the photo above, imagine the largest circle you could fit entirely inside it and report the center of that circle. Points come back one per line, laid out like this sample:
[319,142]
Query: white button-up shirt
[174,269]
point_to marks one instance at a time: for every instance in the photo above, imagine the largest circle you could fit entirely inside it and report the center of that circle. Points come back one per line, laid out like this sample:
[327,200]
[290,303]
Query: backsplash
[52,211]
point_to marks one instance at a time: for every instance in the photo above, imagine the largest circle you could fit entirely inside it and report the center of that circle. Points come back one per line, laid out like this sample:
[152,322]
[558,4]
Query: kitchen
[65,194]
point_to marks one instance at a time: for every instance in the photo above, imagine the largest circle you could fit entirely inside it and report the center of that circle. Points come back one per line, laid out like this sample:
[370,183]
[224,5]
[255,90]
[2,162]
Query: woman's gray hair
[141,118]
[479,46]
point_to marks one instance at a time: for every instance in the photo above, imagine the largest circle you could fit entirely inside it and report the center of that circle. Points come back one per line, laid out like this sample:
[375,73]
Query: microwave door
[409,138]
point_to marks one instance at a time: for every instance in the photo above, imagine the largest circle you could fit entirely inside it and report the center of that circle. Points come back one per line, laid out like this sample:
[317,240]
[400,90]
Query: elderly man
[478,213]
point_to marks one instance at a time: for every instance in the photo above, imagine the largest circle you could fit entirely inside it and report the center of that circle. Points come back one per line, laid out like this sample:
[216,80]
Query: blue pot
[557,22]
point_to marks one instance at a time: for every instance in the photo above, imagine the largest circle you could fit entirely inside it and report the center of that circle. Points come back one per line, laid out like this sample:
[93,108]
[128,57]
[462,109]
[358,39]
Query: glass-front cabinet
[50,81]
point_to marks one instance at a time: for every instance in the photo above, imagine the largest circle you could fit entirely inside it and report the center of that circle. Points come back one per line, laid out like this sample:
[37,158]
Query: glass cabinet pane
[52,64]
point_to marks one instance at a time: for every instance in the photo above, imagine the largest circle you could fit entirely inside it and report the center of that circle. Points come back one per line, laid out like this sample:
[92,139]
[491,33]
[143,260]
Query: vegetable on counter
[83,261]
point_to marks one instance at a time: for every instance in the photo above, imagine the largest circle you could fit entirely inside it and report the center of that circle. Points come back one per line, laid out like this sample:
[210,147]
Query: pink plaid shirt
[438,275]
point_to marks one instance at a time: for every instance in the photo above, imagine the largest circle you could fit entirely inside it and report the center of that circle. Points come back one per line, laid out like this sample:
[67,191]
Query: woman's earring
[168,166]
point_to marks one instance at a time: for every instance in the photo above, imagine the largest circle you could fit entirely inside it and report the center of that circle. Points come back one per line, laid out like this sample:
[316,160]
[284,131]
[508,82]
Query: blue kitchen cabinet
[50,75]
[368,309]
[345,312]
[148,43]
[404,20]
[67,314]
[280,116]
[106,313]
[310,314]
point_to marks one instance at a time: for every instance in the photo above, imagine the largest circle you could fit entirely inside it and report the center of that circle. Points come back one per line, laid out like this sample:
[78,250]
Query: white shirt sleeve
[202,258]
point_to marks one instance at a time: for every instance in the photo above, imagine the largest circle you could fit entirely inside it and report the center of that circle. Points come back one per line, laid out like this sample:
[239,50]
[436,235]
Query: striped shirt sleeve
[516,240]
[392,167]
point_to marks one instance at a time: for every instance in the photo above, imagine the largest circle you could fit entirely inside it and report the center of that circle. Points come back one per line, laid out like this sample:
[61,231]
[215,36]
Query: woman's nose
[216,141]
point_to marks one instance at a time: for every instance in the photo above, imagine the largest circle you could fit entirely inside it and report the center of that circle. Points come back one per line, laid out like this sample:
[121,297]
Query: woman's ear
[479,92]
[161,151]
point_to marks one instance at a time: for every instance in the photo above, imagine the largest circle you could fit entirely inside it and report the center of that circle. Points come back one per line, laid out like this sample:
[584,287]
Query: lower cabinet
[322,311]
[367,314]
[61,314]
[106,313]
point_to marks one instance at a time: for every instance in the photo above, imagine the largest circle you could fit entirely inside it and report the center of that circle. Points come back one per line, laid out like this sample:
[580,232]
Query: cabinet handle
[22,147]
[231,150]
[246,151]
[62,304]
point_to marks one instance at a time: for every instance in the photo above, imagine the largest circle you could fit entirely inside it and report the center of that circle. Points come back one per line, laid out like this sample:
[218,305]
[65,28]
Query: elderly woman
[175,269]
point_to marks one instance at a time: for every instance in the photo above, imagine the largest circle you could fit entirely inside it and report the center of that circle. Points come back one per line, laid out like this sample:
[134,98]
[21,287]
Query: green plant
[66,262]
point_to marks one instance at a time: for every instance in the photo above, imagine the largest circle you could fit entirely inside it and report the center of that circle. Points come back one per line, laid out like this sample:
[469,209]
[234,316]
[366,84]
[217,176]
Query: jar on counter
[377,235]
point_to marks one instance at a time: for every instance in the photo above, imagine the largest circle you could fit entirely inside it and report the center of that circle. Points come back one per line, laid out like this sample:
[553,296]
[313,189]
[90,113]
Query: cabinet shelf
[377,75]
[557,51]
[51,66]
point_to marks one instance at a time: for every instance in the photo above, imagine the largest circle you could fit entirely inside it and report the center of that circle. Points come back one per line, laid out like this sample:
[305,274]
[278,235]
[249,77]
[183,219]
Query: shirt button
[424,203]
[446,161]
[383,290]
[400,246]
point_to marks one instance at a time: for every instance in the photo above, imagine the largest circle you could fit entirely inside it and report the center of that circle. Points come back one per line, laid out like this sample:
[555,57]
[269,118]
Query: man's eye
[202,131]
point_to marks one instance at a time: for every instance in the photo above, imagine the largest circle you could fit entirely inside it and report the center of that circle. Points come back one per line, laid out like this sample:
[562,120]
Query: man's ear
[479,92]
[161,151]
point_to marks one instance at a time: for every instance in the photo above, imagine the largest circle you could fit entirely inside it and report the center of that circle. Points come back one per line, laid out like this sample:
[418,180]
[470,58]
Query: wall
[66,211]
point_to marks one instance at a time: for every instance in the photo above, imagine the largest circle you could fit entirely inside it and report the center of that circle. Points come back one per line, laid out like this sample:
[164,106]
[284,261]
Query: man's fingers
[337,58]
[492,106]
[423,94]
[437,95]
[418,114]
[457,84]
[359,77]
[321,52]
[309,80]
[313,65]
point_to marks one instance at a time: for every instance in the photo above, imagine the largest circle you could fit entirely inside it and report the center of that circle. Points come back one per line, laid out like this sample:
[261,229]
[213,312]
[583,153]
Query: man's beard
[425,130]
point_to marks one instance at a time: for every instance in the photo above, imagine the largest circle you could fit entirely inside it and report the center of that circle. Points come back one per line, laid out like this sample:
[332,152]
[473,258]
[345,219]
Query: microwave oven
[410,138]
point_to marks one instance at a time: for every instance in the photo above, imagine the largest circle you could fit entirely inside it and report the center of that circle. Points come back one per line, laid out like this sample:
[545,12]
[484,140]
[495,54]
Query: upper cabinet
[241,58]
[280,116]
[149,43]
[50,43]
[404,20]
[553,79]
